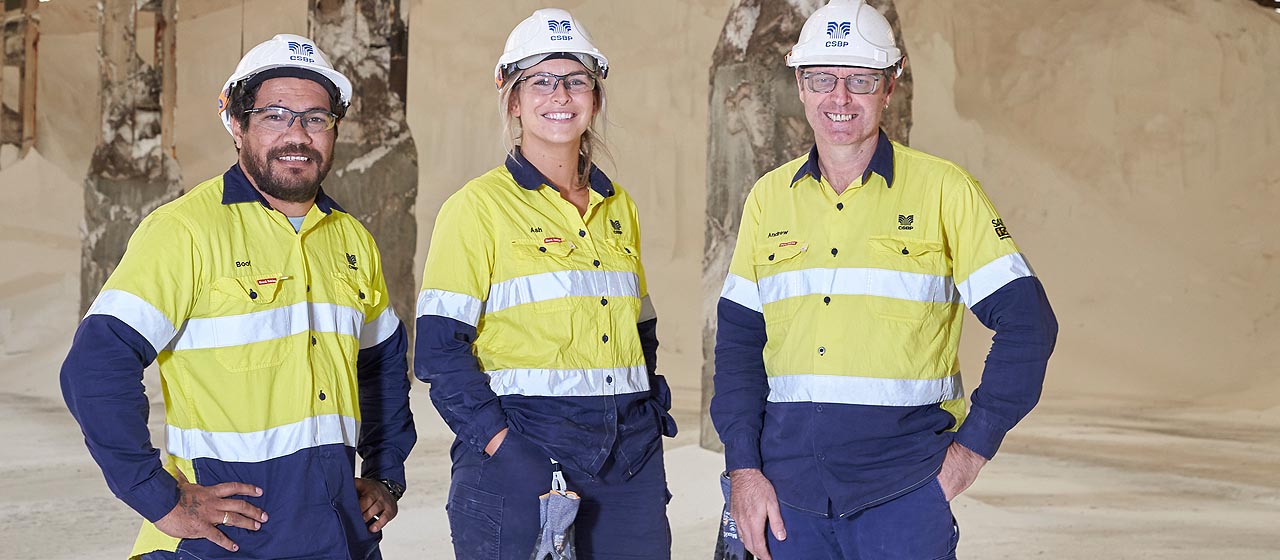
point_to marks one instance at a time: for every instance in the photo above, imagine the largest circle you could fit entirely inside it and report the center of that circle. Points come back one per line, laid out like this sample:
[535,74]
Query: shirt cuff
[154,498]
[742,453]
[981,433]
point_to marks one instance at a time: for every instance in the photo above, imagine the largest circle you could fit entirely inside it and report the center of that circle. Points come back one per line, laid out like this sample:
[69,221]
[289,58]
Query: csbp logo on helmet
[560,30]
[301,51]
[838,30]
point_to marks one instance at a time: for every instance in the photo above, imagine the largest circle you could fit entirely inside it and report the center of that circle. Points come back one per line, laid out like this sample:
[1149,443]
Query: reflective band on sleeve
[993,276]
[561,283]
[742,292]
[381,328]
[647,312]
[260,326]
[909,286]
[138,314]
[453,305]
[569,382]
[863,390]
[267,444]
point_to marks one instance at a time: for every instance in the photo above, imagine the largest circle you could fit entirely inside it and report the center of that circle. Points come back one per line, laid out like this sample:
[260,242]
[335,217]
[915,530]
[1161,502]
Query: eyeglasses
[545,83]
[860,84]
[280,119]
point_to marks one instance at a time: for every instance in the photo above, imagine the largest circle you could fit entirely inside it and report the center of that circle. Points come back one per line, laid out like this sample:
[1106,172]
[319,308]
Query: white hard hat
[846,33]
[289,56]
[548,31]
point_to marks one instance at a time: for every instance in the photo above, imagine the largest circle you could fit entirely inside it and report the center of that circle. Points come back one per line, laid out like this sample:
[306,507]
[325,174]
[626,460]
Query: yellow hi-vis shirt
[863,293]
[257,329]
[535,317]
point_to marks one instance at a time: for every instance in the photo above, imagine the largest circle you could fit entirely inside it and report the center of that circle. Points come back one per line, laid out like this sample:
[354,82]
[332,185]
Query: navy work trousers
[493,505]
[915,526]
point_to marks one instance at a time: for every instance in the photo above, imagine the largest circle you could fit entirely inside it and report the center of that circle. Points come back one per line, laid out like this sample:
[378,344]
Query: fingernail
[256,525]
[264,516]
[235,547]
[781,535]
[259,491]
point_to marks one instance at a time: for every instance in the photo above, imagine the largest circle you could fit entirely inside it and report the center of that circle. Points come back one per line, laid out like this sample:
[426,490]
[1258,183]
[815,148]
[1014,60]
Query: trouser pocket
[475,522]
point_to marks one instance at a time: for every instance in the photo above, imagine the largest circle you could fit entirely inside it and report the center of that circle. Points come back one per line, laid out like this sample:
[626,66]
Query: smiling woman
[535,329]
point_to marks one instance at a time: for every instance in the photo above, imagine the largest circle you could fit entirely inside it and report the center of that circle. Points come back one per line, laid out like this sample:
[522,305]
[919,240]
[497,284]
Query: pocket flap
[905,247]
[547,246]
[781,251]
[258,288]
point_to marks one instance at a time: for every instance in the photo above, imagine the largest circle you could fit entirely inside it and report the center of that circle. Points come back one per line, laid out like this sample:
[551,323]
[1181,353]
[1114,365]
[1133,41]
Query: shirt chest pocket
[247,332]
[538,272]
[779,277]
[908,278]
[350,300]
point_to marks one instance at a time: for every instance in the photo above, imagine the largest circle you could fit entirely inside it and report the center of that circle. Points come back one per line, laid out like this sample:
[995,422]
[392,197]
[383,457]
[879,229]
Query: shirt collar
[236,189]
[528,176]
[881,163]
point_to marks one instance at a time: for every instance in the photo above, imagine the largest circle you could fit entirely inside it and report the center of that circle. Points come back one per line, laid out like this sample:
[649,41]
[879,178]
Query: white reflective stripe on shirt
[260,326]
[647,312]
[272,443]
[134,311]
[910,286]
[993,276]
[381,328]
[569,382]
[558,284]
[453,305]
[863,390]
[742,292]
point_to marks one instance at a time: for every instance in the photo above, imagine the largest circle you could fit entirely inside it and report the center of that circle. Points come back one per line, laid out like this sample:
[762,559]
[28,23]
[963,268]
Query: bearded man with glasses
[837,384]
[281,359]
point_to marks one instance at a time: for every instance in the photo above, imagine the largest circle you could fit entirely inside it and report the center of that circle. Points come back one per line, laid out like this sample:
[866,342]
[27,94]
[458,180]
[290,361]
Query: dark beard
[286,185]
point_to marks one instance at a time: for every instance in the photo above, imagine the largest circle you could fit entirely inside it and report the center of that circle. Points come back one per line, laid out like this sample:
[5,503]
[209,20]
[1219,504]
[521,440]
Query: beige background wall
[1130,146]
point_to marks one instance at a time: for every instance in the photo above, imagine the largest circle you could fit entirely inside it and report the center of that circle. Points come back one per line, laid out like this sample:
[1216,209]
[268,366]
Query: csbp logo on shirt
[617,226]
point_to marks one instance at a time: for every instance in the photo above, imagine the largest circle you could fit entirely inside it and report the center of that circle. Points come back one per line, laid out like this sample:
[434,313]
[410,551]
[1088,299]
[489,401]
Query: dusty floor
[1081,478]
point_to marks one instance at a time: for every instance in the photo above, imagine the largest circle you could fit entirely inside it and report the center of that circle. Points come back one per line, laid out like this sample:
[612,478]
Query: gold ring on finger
[226,518]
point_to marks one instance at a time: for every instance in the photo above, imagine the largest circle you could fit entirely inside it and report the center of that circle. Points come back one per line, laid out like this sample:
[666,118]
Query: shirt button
[827,300]
[253,294]
[818,408]
[905,251]
[308,288]
[596,262]
[822,457]
[770,257]
[322,397]
[839,206]
[361,295]
[582,233]
[822,350]
[609,417]
[604,301]
[608,379]
[604,338]
[543,249]
[313,341]
[834,251]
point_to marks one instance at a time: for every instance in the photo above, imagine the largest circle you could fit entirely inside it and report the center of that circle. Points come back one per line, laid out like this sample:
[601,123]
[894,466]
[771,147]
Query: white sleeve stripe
[456,306]
[993,276]
[742,292]
[647,312]
[380,329]
[136,312]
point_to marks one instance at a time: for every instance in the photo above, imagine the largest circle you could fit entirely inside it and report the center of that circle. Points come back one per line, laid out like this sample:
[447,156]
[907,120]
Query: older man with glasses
[838,393]
[280,357]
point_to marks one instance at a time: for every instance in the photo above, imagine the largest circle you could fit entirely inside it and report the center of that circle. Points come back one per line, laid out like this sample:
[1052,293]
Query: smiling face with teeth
[286,166]
[557,119]
[840,118]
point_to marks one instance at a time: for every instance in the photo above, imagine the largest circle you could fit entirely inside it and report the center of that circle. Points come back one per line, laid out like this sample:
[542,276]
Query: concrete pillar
[133,170]
[375,167]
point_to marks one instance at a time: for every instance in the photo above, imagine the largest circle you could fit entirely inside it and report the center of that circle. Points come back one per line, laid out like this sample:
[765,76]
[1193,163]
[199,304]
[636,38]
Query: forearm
[741,385]
[459,388]
[387,433]
[102,387]
[1025,334]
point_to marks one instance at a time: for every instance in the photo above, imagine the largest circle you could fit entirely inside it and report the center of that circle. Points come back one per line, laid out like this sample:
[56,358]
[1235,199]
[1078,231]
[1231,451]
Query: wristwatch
[395,488]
